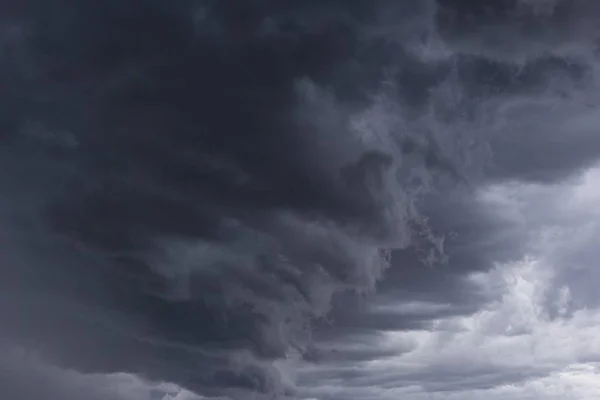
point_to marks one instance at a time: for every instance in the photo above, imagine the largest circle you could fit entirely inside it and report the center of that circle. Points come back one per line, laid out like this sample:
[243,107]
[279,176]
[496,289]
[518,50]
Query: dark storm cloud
[174,210]
[188,190]
[25,376]
[549,136]
[550,48]
[479,239]
[482,238]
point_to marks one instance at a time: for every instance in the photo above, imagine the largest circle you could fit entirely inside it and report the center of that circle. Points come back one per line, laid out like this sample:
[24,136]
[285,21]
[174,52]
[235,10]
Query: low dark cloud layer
[198,191]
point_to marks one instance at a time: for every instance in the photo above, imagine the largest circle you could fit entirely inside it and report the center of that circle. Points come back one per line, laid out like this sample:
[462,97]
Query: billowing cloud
[536,339]
[247,199]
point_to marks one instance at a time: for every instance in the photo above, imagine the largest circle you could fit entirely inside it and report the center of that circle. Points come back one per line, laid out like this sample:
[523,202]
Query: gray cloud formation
[199,190]
[535,339]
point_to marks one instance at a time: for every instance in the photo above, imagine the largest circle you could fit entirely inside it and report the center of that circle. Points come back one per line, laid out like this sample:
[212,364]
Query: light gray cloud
[534,340]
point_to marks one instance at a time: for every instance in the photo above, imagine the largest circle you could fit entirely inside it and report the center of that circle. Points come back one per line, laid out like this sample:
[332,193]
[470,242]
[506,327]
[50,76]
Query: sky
[301,200]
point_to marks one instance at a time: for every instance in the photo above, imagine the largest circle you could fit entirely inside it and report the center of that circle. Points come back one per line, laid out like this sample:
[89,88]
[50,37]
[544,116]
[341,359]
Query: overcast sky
[301,200]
